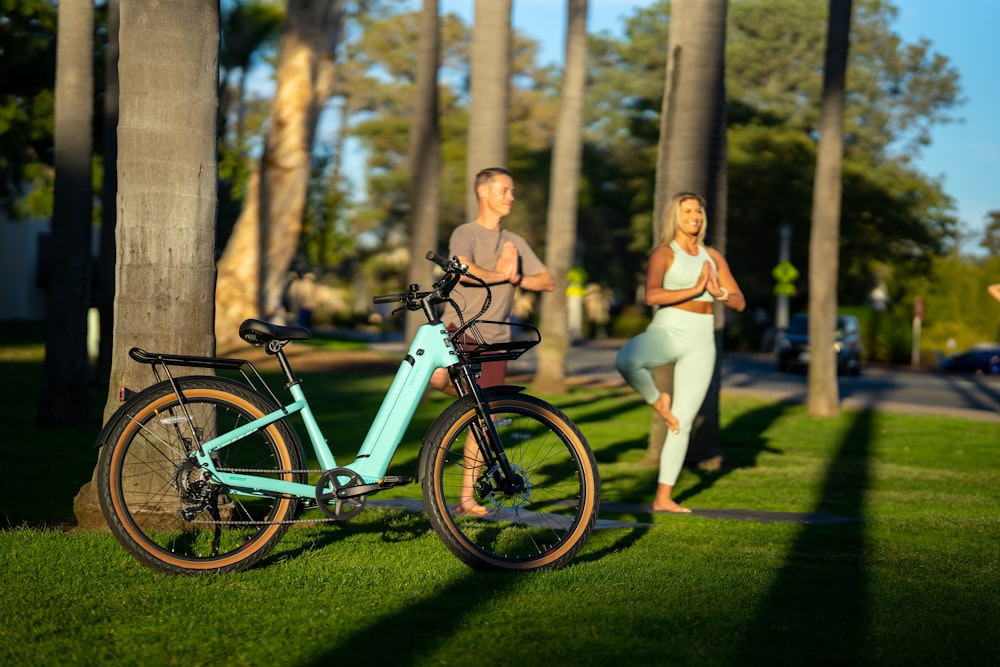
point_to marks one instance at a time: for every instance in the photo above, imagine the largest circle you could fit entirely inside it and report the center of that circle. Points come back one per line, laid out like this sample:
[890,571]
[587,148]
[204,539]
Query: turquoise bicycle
[205,473]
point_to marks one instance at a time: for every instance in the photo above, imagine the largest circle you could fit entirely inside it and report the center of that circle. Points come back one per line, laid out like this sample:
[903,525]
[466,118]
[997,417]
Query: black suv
[793,345]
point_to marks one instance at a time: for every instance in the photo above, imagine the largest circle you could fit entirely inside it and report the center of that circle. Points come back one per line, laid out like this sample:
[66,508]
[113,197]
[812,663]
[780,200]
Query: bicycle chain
[265,523]
[262,523]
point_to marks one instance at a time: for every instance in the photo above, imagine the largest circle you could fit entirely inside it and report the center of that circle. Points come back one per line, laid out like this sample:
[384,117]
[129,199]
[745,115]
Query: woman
[684,279]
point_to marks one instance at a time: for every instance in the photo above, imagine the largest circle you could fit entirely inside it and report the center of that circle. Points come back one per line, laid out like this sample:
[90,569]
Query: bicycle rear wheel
[541,526]
[164,508]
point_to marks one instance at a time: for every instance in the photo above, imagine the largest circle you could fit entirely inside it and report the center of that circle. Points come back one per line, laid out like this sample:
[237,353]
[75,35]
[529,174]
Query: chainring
[331,502]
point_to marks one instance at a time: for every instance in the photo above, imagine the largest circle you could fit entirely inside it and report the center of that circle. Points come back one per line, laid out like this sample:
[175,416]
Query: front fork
[499,476]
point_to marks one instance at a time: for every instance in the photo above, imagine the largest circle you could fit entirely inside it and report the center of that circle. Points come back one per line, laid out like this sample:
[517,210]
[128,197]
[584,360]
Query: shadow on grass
[742,444]
[393,526]
[823,582]
[410,635]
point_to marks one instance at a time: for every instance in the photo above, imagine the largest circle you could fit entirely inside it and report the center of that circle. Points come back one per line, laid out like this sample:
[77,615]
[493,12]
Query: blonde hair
[672,215]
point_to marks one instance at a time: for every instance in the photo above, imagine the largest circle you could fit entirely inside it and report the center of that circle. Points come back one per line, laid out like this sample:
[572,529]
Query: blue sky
[965,156]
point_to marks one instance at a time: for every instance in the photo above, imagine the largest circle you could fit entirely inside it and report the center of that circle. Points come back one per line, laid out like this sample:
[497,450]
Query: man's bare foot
[469,507]
[662,408]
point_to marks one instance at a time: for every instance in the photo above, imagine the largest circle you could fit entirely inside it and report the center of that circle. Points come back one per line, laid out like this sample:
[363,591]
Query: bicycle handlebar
[442,262]
[414,299]
[388,298]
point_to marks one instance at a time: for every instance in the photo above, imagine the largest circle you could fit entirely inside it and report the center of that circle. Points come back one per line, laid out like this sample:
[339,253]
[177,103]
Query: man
[501,258]
[504,260]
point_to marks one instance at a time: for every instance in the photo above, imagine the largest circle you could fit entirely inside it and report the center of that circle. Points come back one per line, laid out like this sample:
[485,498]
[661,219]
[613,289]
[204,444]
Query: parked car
[793,345]
[980,360]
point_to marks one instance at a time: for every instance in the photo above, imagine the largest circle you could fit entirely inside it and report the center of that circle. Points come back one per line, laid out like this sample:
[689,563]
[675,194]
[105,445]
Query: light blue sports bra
[685,269]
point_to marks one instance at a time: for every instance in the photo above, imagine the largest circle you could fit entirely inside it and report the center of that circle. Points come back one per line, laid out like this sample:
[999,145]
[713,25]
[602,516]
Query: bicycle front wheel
[540,525]
[170,513]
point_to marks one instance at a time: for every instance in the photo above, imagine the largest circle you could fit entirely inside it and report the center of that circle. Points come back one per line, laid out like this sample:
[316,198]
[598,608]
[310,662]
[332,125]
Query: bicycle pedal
[390,481]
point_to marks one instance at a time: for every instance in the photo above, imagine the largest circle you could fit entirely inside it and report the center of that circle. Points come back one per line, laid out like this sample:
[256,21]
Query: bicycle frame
[430,349]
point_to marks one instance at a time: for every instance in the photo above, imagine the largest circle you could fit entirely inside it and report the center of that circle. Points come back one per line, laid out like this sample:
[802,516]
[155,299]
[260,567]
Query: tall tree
[255,263]
[104,284]
[560,240]
[991,234]
[425,157]
[169,71]
[824,246]
[248,28]
[63,399]
[692,157]
[489,90]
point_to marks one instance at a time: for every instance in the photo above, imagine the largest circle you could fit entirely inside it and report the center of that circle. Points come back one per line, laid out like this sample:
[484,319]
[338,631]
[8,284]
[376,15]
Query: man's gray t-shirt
[482,246]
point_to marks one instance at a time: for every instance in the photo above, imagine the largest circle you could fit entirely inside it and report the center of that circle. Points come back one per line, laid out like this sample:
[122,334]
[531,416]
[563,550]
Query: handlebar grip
[388,298]
[438,259]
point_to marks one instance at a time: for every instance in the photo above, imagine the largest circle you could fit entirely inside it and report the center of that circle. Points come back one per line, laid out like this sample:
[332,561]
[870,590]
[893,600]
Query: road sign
[785,272]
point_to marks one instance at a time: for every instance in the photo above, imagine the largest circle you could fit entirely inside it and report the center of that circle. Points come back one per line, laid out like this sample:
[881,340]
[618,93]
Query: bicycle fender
[120,414]
[491,393]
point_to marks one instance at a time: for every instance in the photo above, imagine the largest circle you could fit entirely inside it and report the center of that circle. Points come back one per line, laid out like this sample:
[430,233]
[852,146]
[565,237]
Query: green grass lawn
[908,577]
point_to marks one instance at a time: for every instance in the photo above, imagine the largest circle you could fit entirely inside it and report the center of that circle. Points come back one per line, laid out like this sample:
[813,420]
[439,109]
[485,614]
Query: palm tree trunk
[560,240]
[167,193]
[105,282]
[489,92]
[425,158]
[253,268]
[63,400]
[824,246]
[692,156]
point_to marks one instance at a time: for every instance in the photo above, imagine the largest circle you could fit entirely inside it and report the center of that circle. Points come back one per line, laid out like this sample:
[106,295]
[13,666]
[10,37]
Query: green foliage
[327,239]
[631,321]
[27,56]
[958,307]
[991,235]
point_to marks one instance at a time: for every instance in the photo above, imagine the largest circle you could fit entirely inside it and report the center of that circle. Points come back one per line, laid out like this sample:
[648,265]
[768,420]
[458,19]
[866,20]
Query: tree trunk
[560,239]
[425,159]
[237,292]
[254,266]
[692,156]
[105,283]
[167,193]
[824,246]
[64,397]
[489,92]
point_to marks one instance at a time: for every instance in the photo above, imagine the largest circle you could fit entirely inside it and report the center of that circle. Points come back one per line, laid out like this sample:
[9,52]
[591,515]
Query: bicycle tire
[541,528]
[146,478]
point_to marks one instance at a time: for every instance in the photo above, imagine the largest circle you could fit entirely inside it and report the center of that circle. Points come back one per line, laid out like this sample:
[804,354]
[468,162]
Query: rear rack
[162,362]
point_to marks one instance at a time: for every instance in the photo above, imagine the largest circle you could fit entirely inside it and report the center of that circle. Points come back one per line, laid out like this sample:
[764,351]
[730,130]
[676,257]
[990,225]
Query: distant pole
[784,253]
[918,317]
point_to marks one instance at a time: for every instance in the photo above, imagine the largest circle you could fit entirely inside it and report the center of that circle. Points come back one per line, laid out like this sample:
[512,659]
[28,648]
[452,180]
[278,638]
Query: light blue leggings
[688,340]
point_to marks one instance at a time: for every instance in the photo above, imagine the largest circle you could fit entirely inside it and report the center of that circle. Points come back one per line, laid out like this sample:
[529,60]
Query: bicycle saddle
[258,332]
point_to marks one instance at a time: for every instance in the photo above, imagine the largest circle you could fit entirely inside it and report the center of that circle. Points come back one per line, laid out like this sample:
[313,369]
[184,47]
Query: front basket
[473,348]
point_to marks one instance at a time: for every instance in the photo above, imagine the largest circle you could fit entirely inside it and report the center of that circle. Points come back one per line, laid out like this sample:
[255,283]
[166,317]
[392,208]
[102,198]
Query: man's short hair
[486,175]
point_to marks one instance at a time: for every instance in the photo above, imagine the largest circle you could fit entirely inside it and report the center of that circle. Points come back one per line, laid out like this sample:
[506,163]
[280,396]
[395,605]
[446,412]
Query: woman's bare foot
[664,503]
[672,508]
[469,507]
[662,408]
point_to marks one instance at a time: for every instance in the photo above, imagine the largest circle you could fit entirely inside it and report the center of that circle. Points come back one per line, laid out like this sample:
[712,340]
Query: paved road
[884,388]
